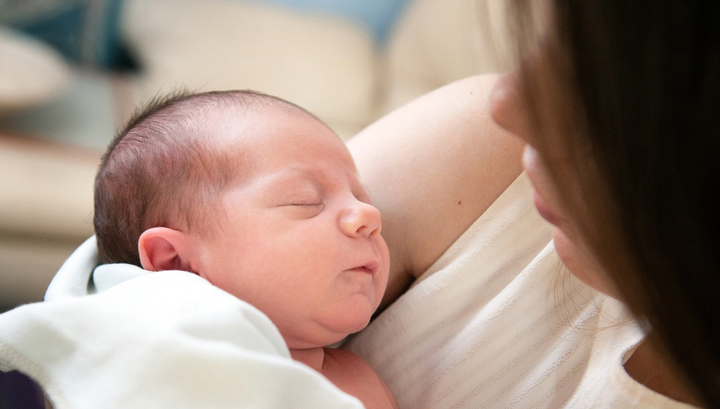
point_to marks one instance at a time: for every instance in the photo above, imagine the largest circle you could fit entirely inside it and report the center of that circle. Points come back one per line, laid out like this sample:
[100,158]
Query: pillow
[30,72]
[324,63]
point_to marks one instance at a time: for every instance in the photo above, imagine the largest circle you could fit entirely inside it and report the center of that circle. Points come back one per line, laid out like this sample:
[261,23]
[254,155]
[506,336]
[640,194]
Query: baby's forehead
[258,124]
[268,138]
[266,130]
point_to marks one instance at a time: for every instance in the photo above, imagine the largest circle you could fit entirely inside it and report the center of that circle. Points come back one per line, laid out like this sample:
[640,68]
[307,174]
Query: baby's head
[257,196]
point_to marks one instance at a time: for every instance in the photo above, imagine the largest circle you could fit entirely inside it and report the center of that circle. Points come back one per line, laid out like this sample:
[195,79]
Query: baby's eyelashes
[301,200]
[304,204]
[303,209]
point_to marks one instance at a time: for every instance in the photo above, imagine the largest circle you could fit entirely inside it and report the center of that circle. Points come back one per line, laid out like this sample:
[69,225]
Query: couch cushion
[326,64]
[30,71]
[47,190]
[437,42]
[46,210]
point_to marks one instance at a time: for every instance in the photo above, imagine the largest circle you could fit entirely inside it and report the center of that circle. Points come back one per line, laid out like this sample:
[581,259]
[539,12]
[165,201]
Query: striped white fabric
[496,322]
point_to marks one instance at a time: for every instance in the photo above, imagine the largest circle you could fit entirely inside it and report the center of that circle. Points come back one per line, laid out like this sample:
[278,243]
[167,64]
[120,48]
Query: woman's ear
[162,248]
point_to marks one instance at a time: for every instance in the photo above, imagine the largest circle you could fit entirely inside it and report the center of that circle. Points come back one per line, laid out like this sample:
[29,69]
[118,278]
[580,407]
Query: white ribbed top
[496,322]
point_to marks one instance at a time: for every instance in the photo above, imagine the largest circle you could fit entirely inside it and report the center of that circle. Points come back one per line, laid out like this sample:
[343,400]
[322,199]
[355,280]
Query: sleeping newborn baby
[262,199]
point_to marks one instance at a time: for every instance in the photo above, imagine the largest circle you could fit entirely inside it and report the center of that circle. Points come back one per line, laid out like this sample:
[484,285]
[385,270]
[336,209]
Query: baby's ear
[162,248]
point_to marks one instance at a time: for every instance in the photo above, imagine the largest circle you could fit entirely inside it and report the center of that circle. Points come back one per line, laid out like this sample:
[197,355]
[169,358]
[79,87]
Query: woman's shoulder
[432,167]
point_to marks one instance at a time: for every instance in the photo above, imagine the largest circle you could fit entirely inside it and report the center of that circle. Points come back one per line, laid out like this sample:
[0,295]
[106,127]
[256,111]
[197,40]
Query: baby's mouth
[364,269]
[368,268]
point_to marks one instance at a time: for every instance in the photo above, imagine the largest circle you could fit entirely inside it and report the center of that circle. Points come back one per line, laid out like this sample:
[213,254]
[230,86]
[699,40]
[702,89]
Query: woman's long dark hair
[638,97]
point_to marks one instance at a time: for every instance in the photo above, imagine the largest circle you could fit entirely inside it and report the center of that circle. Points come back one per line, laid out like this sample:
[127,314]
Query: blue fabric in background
[61,28]
[87,31]
[83,31]
[378,16]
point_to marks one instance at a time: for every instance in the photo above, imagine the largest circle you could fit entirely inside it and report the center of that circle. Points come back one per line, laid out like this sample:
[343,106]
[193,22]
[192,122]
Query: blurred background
[72,71]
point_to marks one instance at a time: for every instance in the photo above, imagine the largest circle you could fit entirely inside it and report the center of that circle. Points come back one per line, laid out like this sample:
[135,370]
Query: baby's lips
[371,267]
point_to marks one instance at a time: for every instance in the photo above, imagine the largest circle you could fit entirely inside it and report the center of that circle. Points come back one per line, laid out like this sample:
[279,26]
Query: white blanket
[126,338]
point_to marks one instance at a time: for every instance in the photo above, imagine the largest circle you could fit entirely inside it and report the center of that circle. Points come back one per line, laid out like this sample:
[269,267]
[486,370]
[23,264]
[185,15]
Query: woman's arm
[432,168]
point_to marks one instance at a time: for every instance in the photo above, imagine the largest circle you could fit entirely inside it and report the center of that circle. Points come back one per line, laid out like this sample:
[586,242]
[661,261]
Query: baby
[262,199]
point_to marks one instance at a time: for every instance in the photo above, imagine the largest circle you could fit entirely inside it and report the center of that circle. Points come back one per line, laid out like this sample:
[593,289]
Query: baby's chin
[327,333]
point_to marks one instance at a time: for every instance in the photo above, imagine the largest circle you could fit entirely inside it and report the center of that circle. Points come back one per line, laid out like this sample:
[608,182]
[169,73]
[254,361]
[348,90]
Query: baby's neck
[312,357]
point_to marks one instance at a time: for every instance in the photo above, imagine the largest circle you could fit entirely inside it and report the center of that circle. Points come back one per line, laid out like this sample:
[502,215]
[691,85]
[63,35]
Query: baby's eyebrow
[317,177]
[289,178]
[296,173]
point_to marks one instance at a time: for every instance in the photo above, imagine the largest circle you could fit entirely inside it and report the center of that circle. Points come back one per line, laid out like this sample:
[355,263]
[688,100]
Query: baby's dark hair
[162,170]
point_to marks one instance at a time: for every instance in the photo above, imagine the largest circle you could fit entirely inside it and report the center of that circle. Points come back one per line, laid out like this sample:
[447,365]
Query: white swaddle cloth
[126,338]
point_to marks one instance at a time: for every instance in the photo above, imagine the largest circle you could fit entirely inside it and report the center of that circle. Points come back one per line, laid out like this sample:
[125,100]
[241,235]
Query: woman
[618,104]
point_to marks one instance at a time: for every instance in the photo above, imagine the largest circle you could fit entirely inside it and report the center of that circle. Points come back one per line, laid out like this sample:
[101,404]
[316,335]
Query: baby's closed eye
[303,208]
[304,204]
[303,199]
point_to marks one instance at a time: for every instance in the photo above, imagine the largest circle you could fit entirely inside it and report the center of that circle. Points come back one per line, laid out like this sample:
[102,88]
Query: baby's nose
[361,219]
